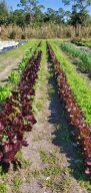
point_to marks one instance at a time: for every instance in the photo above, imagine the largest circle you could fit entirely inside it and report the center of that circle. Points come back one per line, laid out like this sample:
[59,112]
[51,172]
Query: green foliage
[17,182]
[79,15]
[4,92]
[85,57]
[12,35]
[49,159]
[3,187]
[52,170]
[84,17]
[31,13]
[14,77]
[38,104]
[80,3]
[35,173]
[28,55]
[3,12]
[79,42]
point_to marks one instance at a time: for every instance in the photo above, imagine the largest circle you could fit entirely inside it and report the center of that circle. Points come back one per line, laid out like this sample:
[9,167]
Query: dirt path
[10,60]
[8,66]
[86,76]
[84,48]
[51,163]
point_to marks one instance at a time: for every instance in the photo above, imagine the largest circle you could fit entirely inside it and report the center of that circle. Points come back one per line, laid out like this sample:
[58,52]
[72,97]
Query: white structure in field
[7,45]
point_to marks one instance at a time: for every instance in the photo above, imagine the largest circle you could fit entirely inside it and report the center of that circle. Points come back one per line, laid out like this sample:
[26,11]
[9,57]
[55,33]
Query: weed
[17,182]
[50,159]
[3,187]
[52,170]
[35,173]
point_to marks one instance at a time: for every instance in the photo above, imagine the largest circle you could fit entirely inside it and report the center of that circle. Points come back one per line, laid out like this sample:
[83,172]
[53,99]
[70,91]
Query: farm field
[45,118]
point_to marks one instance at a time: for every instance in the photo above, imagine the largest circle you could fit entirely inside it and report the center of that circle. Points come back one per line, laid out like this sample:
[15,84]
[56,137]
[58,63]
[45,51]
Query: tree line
[30,12]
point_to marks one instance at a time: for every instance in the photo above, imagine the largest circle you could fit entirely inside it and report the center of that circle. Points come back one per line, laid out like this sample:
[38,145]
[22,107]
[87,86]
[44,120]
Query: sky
[54,4]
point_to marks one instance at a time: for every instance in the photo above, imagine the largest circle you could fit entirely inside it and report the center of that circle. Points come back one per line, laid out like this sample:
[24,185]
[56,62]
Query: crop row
[14,76]
[84,62]
[80,88]
[81,131]
[82,42]
[17,116]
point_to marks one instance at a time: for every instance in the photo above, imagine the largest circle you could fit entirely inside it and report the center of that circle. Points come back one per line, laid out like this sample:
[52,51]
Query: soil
[85,76]
[6,66]
[87,49]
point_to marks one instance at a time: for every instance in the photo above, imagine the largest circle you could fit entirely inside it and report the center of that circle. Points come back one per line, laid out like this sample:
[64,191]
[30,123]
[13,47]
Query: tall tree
[79,13]
[3,12]
[80,3]
[61,13]
[31,7]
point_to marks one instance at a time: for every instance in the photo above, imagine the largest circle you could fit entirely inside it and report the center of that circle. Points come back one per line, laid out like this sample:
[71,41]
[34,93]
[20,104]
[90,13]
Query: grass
[49,159]
[24,163]
[3,187]
[3,181]
[51,171]
[35,173]
[39,101]
[55,178]
[46,30]
[17,182]
[63,185]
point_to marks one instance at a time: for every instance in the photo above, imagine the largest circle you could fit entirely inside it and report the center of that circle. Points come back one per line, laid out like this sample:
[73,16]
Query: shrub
[23,36]
[12,34]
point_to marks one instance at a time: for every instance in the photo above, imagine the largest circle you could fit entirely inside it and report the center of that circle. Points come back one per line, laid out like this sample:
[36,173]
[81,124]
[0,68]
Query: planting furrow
[17,116]
[82,131]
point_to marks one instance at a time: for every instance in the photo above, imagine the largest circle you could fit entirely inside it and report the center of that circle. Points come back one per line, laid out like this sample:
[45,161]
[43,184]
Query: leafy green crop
[5,91]
[80,89]
[82,42]
[85,57]
[14,77]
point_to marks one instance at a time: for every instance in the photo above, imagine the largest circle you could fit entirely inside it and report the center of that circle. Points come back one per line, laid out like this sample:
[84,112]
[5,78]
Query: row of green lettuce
[80,89]
[84,57]
[14,76]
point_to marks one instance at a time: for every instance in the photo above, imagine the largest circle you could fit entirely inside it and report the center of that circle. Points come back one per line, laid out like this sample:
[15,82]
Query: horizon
[47,3]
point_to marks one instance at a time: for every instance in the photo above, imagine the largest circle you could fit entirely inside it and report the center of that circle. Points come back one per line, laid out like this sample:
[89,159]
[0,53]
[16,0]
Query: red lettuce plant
[17,115]
[82,131]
